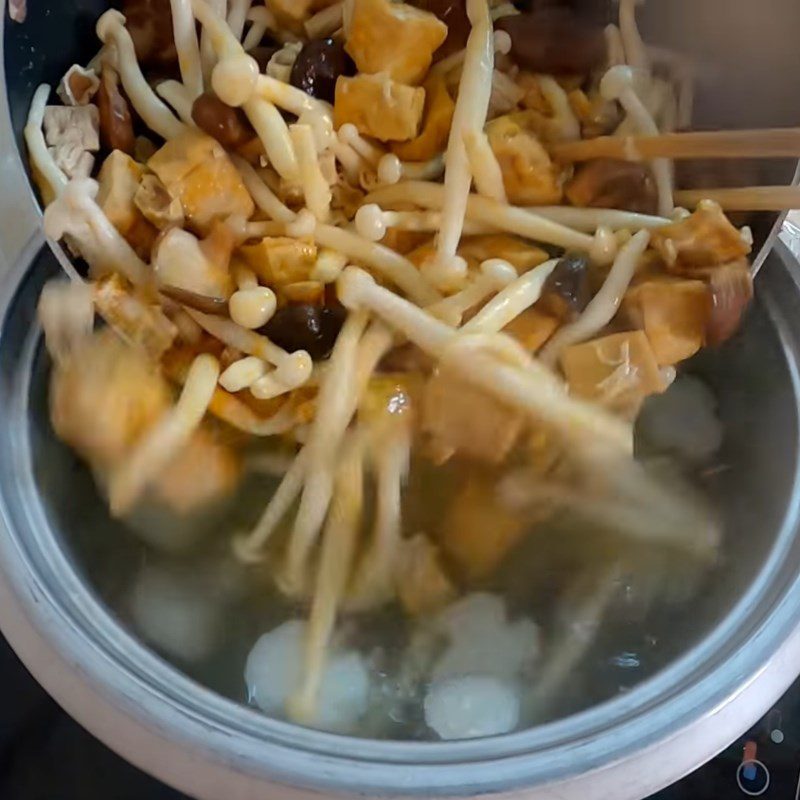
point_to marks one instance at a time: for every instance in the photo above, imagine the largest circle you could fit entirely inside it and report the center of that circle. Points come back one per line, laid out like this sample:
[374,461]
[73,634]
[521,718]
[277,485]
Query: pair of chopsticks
[769,143]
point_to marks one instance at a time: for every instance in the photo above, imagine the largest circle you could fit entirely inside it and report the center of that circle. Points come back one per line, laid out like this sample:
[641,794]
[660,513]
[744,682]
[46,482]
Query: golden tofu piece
[618,371]
[280,260]
[529,176]
[532,328]
[143,324]
[422,584]
[388,404]
[475,249]
[419,255]
[196,170]
[402,241]
[519,253]
[705,239]
[533,98]
[597,116]
[292,13]
[203,472]
[478,531]
[462,419]
[213,191]
[308,292]
[394,38]
[104,396]
[180,261]
[118,181]
[674,315]
[379,107]
[175,159]
[437,117]
[157,205]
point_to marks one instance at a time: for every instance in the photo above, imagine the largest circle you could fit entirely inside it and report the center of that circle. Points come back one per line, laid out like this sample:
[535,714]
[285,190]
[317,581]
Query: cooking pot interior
[748,73]
[752,483]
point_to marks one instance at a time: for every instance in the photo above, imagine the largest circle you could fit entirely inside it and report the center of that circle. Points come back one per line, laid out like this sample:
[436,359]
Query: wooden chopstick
[767,143]
[750,198]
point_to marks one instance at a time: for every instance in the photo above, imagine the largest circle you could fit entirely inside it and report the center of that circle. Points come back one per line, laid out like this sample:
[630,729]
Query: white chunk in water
[683,421]
[472,706]
[483,642]
[274,668]
[173,612]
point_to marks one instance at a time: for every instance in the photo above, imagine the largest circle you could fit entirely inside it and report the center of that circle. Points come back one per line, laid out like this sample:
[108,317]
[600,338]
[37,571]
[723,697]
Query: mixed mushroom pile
[386,236]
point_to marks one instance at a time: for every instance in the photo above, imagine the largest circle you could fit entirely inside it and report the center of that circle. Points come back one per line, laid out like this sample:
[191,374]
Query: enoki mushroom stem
[165,439]
[336,558]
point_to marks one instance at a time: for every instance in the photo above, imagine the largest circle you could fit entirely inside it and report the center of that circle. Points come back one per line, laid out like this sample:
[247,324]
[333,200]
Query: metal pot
[743,638]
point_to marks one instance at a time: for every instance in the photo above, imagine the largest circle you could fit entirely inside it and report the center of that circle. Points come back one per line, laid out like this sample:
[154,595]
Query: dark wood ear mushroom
[318,65]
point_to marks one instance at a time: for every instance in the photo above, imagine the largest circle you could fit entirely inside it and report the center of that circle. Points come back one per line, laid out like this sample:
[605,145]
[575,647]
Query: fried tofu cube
[395,38]
[118,182]
[597,116]
[280,260]
[387,407]
[478,531]
[203,472]
[437,117]
[174,160]
[143,324]
[379,107]
[104,397]
[76,125]
[419,255]
[519,253]
[72,135]
[705,239]
[157,205]
[403,241]
[422,584]
[529,176]
[618,371]
[532,329]
[292,13]
[533,98]
[196,170]
[522,255]
[674,315]
[306,292]
[180,261]
[462,419]
[214,191]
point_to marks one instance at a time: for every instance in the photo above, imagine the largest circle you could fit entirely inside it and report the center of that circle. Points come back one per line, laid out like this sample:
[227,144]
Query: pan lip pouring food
[403,245]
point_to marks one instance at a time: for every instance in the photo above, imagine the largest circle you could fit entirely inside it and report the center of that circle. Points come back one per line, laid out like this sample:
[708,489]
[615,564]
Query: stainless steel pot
[744,633]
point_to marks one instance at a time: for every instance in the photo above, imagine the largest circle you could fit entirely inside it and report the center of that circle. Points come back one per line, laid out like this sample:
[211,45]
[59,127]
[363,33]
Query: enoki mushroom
[166,438]
[604,304]
[447,270]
